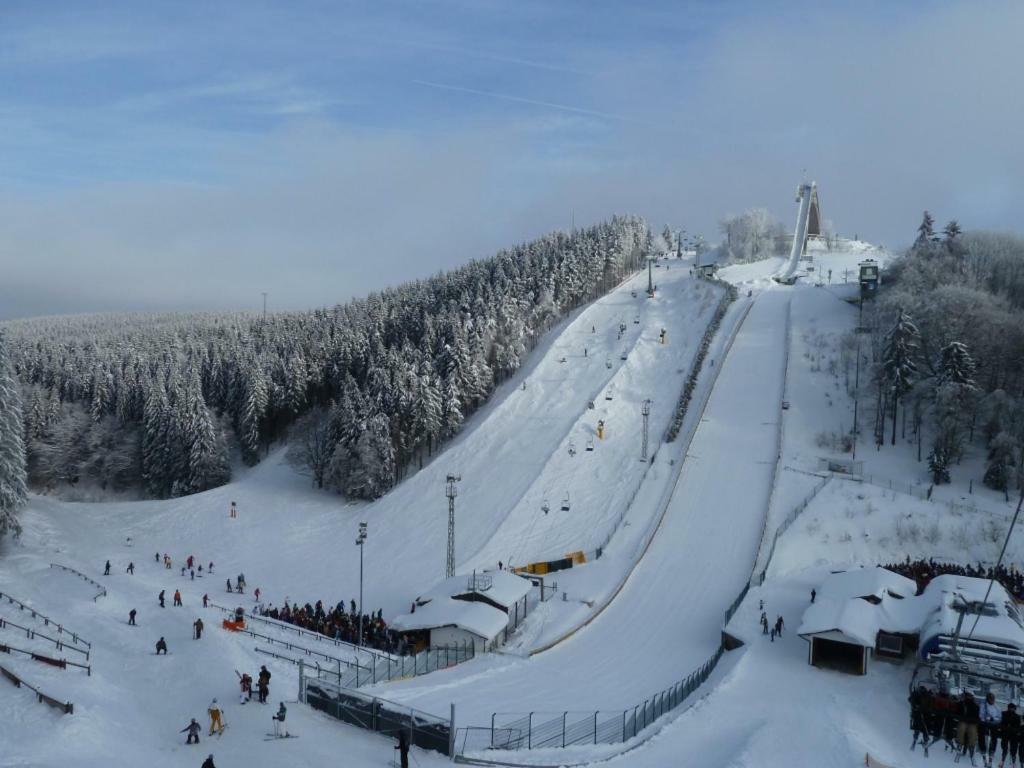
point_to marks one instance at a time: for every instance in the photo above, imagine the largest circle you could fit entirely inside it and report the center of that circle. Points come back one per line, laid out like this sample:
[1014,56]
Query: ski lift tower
[645,411]
[451,491]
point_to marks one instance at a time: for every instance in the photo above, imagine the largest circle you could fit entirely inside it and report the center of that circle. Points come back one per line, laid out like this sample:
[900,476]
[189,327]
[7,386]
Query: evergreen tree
[13,473]
[898,361]
[451,408]
[938,465]
[925,232]
[956,366]
[256,400]
[373,473]
[1002,462]
[207,458]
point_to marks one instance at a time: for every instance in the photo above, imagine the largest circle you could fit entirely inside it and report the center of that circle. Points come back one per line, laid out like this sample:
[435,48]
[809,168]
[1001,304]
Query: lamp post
[360,540]
[451,491]
[645,410]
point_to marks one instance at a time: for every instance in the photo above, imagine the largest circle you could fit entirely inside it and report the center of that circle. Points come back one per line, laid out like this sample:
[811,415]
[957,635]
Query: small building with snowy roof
[857,614]
[483,609]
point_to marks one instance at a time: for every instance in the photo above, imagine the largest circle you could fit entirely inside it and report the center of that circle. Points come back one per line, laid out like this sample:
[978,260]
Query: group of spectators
[923,571]
[339,624]
[965,726]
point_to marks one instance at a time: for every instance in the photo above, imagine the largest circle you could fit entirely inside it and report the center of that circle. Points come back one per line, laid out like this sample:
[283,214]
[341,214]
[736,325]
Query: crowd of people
[923,571]
[339,624]
[966,727]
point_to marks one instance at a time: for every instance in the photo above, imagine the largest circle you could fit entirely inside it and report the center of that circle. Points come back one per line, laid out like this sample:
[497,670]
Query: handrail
[79,574]
[31,634]
[64,706]
[46,619]
[291,647]
[61,663]
[318,636]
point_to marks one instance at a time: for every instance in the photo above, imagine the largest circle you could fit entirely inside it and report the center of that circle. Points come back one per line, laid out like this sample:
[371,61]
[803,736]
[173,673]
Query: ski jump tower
[808,224]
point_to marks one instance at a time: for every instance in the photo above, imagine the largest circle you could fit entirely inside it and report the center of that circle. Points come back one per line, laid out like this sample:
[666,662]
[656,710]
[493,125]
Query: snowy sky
[191,155]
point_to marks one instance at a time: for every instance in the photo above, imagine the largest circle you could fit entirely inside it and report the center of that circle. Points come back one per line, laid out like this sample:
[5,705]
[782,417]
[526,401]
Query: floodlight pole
[360,540]
[451,491]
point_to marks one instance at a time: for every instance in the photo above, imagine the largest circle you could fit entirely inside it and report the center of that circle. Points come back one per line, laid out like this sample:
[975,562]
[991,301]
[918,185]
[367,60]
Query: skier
[779,624]
[500,565]
[1011,732]
[106,570]
[988,732]
[210,568]
[234,510]
[206,600]
[177,598]
[208,763]
[193,729]
[189,561]
[215,721]
[200,570]
[192,575]
[161,598]
[814,594]
[161,645]
[229,585]
[764,624]
[760,606]
[197,625]
[967,728]
[920,701]
[279,721]
[246,684]
[183,570]
[130,569]
[156,557]
[131,617]
[264,684]
[403,748]
[773,634]
[256,594]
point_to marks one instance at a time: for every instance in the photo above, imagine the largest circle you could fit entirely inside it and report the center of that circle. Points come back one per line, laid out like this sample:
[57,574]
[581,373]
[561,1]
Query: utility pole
[451,491]
[264,307]
[650,277]
[645,410]
[360,540]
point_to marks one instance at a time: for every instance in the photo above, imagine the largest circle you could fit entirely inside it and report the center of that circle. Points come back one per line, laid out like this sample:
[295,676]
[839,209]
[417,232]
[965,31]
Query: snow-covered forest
[363,391]
[948,333]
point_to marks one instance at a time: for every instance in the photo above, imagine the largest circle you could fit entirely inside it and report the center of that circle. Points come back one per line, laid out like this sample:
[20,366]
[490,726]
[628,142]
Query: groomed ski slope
[666,621]
[293,541]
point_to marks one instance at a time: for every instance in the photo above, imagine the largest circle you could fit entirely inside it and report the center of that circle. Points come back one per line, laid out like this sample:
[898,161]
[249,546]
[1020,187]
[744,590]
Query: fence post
[563,728]
[529,731]
[492,729]
[451,732]
[595,727]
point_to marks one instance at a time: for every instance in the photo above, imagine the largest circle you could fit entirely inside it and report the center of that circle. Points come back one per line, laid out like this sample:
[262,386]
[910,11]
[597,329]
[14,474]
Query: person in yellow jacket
[215,718]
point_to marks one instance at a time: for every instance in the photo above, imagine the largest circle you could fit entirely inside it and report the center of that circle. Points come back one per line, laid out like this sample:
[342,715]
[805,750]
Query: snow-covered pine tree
[373,473]
[253,410]
[899,367]
[207,456]
[13,473]
[938,465]
[956,365]
[451,408]
[154,441]
[925,231]
[1002,462]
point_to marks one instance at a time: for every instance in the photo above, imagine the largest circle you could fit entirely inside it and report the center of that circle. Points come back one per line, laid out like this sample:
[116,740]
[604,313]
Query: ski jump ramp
[807,197]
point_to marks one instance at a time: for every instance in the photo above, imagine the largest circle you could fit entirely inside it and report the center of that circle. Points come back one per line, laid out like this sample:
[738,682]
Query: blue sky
[191,155]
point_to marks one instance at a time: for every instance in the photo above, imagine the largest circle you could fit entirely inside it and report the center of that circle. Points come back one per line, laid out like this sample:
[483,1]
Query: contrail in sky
[522,100]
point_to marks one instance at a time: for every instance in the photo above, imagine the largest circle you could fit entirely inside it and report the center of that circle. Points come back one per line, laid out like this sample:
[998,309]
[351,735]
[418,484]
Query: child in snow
[193,729]
[279,720]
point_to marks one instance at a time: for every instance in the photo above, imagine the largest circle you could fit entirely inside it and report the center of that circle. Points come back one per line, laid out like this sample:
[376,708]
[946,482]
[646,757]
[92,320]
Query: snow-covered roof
[440,607]
[500,587]
[944,591]
[892,606]
[480,619]
[860,602]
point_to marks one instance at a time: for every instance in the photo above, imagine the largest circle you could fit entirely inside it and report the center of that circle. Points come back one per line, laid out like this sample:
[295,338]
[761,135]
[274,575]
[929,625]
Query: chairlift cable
[999,562]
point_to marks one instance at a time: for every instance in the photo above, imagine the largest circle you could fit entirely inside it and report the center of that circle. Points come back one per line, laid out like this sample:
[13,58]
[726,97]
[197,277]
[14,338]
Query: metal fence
[32,634]
[49,660]
[380,715]
[47,621]
[79,574]
[541,730]
[788,521]
[64,706]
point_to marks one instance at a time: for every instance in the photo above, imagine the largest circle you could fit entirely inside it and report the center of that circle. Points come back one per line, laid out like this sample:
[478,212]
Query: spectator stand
[47,621]
[102,590]
[65,707]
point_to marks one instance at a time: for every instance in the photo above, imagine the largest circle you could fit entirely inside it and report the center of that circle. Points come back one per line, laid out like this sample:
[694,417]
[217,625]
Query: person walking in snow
[131,617]
[234,510]
[760,606]
[197,625]
[157,557]
[988,732]
[206,600]
[229,585]
[177,598]
[189,561]
[208,763]
[403,748]
[210,568]
[161,645]
[264,684]
[193,729]
[192,574]
[764,624]
[1010,727]
[215,720]
[256,594]
[106,570]
[183,570]
[967,728]
[779,624]
[130,570]
[161,599]
[814,594]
